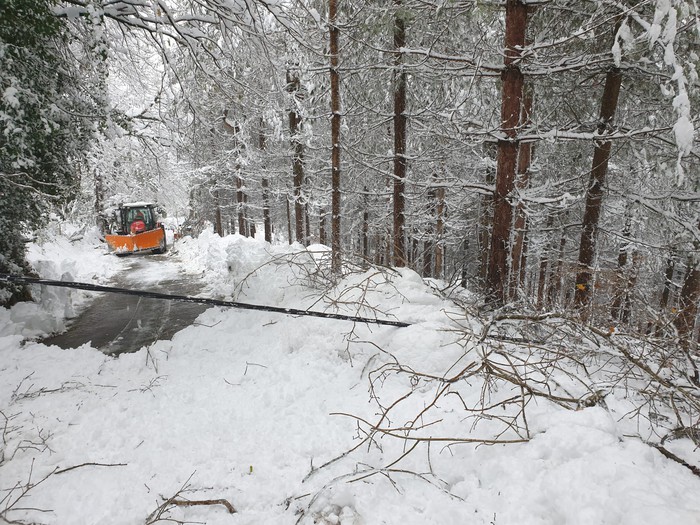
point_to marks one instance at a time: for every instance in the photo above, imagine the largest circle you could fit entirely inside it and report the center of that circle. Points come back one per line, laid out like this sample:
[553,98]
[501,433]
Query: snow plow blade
[153,240]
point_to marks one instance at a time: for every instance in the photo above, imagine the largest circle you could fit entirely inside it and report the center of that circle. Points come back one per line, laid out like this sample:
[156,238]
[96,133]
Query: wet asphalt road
[118,324]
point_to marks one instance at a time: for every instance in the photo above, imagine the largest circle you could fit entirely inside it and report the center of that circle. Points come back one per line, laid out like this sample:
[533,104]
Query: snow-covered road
[117,323]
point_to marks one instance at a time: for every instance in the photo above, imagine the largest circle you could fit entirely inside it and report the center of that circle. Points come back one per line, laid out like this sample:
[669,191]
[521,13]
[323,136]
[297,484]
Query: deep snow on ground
[242,406]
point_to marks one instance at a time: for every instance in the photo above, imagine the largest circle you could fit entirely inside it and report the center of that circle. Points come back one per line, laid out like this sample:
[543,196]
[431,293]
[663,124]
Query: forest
[542,153]
[511,186]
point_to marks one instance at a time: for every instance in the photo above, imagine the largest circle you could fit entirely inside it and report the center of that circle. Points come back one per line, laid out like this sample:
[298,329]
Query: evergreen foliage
[43,139]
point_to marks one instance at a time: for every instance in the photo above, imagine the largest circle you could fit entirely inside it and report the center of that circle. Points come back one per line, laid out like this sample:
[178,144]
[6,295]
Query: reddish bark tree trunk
[511,109]
[399,138]
[594,195]
[335,135]
[520,223]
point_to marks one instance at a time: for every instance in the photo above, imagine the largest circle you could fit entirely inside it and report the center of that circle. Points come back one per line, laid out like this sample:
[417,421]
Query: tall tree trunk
[429,243]
[334,37]
[465,252]
[365,224]
[440,232]
[668,281]
[544,262]
[594,195]
[217,214]
[388,241]
[666,293]
[298,172]
[486,216]
[240,205]
[246,219]
[289,222]
[262,144]
[542,280]
[414,252]
[688,304]
[100,217]
[520,223]
[293,86]
[668,286]
[523,258]
[322,228]
[620,288]
[556,277]
[428,250]
[631,283]
[400,120]
[267,222]
[511,110]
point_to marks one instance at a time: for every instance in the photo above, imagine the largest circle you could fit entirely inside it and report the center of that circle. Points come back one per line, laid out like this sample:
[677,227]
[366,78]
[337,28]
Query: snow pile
[270,412]
[69,254]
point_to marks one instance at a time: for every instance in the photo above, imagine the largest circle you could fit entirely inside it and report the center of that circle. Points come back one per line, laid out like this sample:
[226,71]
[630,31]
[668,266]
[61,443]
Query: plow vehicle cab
[135,228]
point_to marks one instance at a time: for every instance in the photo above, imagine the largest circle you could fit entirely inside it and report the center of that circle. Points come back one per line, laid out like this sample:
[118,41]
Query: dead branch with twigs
[154,382]
[509,363]
[88,464]
[17,439]
[179,499]
[307,268]
[354,300]
[28,391]
[11,503]
[312,271]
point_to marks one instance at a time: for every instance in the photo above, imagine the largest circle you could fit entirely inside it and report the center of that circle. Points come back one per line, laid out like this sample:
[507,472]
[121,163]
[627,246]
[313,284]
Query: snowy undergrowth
[298,419]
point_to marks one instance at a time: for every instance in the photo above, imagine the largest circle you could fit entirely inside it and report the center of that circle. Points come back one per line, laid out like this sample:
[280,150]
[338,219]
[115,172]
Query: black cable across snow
[201,300]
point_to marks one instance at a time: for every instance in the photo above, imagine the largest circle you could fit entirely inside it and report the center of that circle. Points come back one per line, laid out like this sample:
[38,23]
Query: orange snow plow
[153,240]
[135,229]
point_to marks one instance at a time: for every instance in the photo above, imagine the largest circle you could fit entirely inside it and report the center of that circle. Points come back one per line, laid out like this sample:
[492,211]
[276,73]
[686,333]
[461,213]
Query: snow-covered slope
[271,413]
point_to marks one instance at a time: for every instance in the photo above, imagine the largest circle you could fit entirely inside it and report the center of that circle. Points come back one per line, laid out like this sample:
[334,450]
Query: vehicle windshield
[140,214]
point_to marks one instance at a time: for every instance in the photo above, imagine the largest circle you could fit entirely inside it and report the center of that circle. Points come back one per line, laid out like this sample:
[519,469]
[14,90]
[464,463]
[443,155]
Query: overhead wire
[20,279]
